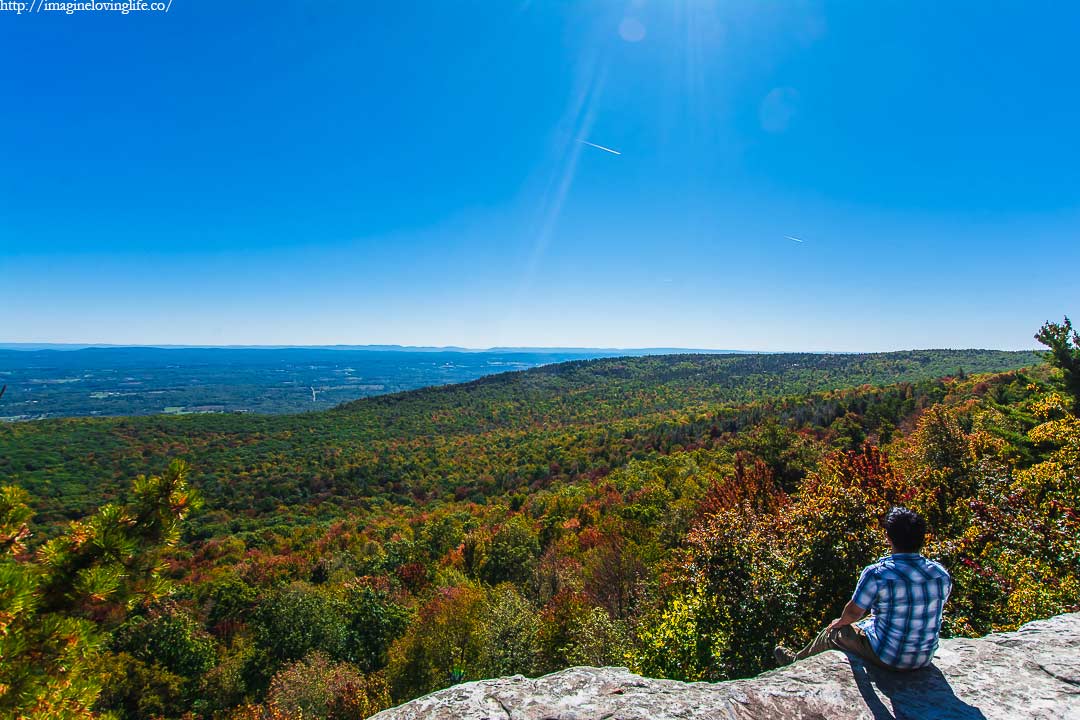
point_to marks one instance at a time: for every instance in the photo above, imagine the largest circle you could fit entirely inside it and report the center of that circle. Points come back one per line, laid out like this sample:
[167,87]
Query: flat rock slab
[1031,673]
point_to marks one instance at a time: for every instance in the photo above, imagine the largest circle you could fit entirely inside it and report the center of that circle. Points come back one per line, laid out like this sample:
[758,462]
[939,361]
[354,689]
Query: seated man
[906,593]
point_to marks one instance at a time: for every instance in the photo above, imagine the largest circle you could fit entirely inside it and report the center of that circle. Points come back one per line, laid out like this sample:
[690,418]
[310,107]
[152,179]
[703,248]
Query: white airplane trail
[600,147]
[789,237]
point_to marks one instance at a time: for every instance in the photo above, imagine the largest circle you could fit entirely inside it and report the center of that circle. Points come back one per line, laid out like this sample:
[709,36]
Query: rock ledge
[1031,673]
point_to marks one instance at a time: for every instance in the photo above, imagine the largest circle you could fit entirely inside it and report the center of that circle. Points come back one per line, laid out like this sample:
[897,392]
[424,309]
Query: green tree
[735,593]
[944,468]
[510,625]
[135,689]
[294,621]
[1055,480]
[226,602]
[374,622]
[161,658]
[512,554]
[168,636]
[1064,344]
[320,689]
[57,605]
[443,647]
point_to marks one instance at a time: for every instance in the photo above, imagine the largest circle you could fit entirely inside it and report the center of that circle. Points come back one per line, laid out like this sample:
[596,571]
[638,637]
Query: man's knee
[844,638]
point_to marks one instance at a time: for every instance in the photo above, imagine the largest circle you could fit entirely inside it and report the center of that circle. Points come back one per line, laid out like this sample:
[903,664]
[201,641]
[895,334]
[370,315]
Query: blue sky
[409,172]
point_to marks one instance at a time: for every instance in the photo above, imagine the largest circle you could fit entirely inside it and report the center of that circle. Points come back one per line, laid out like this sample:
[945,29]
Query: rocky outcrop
[1031,673]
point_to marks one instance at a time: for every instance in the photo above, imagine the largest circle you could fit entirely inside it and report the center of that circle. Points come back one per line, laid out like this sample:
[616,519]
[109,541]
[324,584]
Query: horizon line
[392,347]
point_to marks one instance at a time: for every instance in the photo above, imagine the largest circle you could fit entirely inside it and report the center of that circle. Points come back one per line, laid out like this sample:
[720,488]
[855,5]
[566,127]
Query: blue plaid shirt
[906,593]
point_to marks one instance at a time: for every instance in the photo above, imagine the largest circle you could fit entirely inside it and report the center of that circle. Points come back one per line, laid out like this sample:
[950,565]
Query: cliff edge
[1031,673]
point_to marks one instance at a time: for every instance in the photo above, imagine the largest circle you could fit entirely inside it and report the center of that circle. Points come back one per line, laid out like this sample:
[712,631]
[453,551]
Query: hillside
[510,431]
[676,515]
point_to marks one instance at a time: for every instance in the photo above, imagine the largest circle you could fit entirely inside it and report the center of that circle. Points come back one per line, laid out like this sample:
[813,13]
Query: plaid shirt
[906,593]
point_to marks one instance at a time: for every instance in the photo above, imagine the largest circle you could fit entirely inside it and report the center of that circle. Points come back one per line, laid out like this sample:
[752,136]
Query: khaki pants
[848,639]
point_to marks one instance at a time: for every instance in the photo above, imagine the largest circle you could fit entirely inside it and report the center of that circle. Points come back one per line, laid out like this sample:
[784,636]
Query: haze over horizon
[454,348]
[686,174]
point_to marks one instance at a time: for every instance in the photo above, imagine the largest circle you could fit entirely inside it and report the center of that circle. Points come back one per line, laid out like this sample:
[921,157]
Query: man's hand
[852,613]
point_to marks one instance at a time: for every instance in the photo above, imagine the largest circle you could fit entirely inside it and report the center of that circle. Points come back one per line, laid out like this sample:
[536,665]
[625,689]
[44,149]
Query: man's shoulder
[920,568]
[906,565]
[882,563]
[937,568]
[874,569]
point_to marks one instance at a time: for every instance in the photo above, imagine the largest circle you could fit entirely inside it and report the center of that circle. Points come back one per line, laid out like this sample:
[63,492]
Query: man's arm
[852,613]
[866,592]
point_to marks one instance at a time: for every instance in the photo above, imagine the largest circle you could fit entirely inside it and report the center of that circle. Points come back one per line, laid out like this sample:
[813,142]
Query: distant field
[148,381]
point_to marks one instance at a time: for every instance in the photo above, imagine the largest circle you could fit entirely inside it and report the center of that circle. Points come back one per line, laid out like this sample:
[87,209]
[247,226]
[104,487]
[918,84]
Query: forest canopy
[679,515]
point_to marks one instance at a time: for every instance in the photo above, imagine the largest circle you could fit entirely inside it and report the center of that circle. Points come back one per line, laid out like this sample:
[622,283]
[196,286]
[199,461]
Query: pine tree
[1064,344]
[57,604]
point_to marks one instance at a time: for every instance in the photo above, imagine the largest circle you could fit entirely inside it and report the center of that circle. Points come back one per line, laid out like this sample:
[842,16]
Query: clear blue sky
[409,172]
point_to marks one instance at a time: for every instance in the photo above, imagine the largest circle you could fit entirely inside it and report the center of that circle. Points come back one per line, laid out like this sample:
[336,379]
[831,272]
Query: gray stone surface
[1031,673]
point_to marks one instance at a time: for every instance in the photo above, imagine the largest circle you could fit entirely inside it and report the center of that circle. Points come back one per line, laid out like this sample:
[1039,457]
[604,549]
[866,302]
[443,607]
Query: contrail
[600,147]
[789,237]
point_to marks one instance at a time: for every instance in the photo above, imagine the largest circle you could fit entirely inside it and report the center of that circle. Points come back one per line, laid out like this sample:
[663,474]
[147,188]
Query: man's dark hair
[906,529]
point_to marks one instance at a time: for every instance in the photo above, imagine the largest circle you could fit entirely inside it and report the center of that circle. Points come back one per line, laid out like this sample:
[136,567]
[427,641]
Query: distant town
[83,381]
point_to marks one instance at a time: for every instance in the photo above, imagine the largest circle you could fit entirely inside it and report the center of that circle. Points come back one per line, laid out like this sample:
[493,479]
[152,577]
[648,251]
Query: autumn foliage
[668,526]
